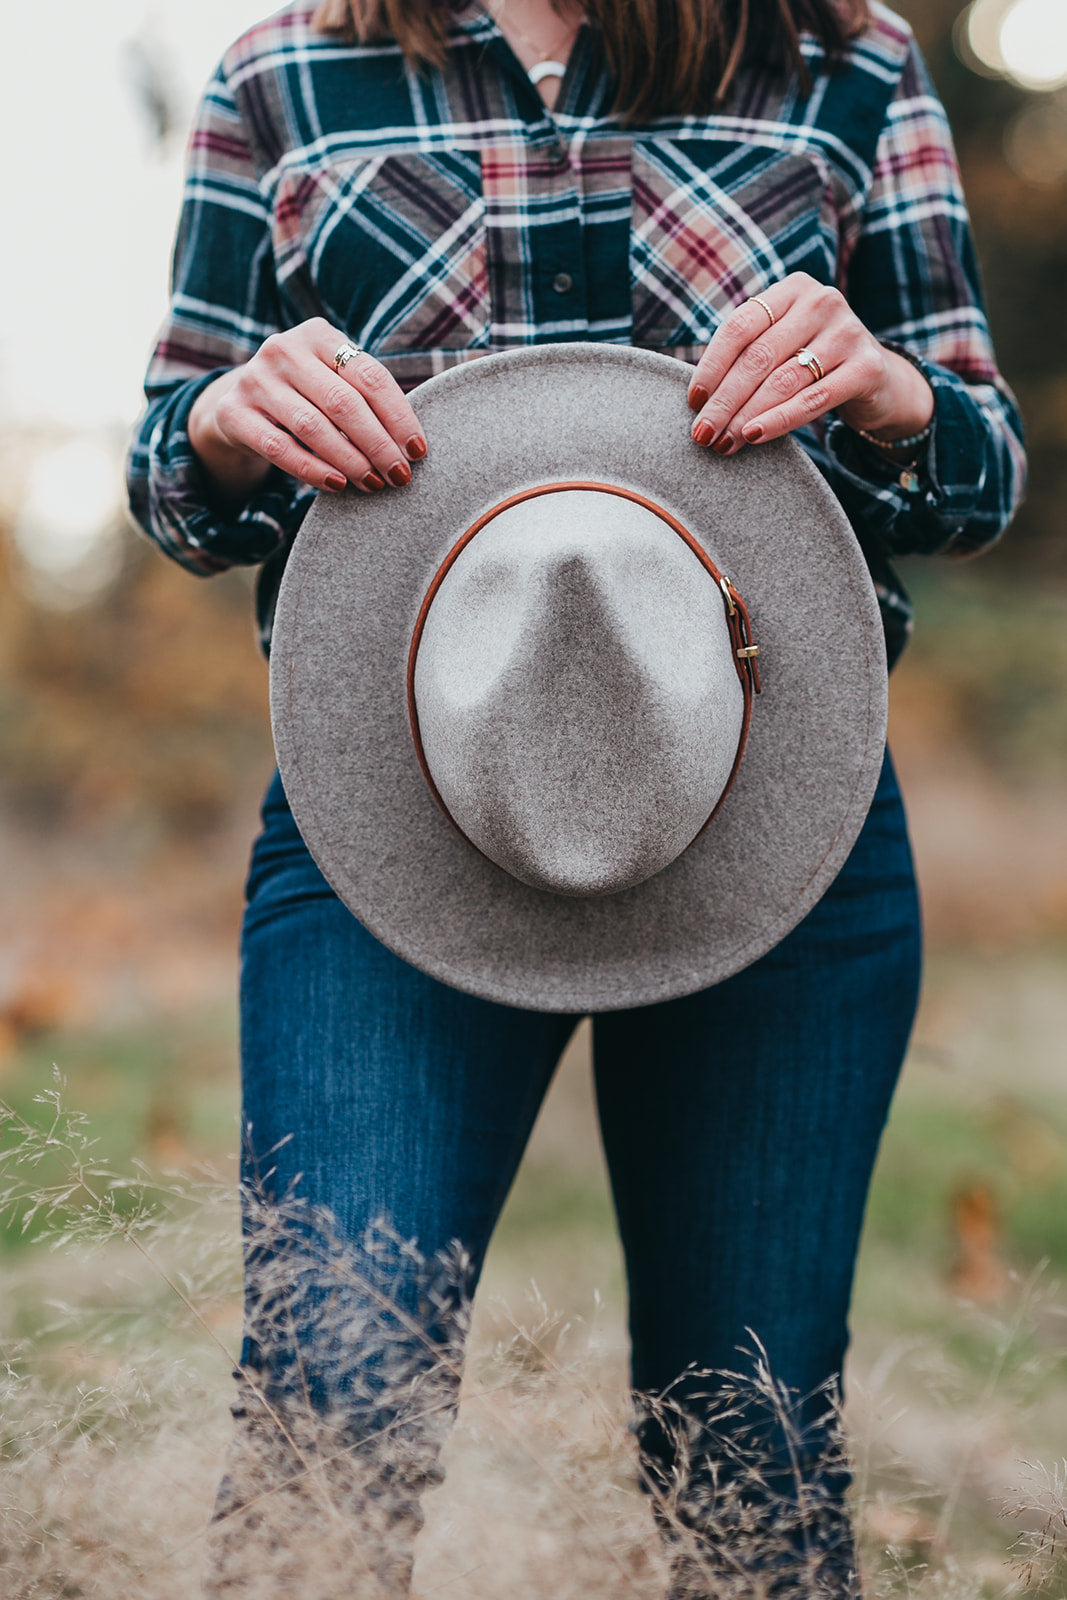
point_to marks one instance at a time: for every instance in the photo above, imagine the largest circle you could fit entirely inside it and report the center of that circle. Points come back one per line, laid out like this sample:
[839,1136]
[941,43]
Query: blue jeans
[740,1127]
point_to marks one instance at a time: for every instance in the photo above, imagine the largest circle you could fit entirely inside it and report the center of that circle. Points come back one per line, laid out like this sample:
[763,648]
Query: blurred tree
[153,86]
[150,700]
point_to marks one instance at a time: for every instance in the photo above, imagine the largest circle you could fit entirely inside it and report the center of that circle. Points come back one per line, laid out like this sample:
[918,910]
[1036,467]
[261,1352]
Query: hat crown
[577,701]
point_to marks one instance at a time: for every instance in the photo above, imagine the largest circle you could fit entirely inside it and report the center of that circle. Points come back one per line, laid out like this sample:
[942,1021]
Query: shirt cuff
[175,502]
[928,512]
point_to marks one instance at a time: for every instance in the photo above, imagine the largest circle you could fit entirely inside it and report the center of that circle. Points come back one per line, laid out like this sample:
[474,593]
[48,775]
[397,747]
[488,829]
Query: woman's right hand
[288,407]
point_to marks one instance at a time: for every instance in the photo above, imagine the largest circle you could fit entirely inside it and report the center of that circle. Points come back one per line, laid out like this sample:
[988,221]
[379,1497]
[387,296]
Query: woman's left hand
[749,386]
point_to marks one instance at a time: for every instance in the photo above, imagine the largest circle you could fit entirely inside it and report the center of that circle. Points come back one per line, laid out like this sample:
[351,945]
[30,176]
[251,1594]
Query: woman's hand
[288,407]
[749,387]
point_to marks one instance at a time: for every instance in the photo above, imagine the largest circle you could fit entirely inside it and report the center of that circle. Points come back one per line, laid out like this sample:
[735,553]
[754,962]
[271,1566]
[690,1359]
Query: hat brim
[347,607]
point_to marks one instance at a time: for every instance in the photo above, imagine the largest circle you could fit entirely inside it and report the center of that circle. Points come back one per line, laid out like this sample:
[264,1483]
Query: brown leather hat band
[743,649]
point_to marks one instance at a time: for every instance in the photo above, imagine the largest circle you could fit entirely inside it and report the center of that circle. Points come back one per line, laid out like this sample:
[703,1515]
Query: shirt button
[563,283]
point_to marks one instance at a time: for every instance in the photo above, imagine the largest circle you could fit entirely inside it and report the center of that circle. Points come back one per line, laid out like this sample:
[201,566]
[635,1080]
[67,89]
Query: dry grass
[118,1338]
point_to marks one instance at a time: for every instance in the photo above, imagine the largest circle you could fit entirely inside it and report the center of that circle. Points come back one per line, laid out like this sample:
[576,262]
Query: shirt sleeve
[913,280]
[224,303]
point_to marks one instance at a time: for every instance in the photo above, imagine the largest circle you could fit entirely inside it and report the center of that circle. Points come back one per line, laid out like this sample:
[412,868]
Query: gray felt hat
[514,703]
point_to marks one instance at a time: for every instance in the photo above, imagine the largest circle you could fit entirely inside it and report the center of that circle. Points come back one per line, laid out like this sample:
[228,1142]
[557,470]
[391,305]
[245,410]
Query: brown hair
[666,56]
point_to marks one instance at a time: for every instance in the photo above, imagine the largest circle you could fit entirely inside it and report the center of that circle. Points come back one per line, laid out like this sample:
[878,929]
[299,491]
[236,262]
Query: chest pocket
[390,248]
[715,221]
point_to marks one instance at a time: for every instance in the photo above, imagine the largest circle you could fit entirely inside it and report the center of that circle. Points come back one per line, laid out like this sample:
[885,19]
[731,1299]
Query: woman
[766,190]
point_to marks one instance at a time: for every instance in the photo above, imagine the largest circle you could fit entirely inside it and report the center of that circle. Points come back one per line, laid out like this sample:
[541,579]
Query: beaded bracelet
[897,444]
[908,477]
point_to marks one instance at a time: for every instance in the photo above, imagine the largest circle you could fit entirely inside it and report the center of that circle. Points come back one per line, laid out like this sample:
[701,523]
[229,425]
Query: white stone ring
[809,359]
[345,354]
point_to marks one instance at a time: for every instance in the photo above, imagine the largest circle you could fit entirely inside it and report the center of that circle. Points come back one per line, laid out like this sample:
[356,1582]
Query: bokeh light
[1024,40]
[66,531]
[1035,142]
[977,36]
[1033,42]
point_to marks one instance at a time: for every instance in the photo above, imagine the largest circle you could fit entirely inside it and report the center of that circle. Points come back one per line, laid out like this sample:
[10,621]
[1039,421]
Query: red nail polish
[373,481]
[698,398]
[752,432]
[416,447]
[703,433]
[336,482]
[399,475]
[723,445]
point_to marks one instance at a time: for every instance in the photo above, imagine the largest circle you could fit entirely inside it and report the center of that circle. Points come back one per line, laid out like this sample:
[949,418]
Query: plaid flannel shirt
[436,217]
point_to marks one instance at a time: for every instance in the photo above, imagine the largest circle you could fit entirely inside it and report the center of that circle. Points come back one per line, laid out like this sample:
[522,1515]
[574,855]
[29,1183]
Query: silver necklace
[546,66]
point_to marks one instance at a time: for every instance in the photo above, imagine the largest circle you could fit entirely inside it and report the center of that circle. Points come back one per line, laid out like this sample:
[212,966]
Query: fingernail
[416,447]
[723,445]
[373,481]
[698,398]
[336,482]
[752,432]
[703,433]
[399,475]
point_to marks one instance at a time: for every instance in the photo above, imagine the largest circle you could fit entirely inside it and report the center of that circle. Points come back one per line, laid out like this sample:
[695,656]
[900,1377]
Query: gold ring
[344,355]
[754,300]
[809,359]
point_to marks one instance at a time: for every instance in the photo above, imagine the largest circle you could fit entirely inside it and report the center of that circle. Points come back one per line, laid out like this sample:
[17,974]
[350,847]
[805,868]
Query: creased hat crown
[577,701]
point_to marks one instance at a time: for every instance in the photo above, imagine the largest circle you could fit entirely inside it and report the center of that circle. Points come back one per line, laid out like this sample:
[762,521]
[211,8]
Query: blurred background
[134,746]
